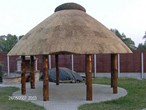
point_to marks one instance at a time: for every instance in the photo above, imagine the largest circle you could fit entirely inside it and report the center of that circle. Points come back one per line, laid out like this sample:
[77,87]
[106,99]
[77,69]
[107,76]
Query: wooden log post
[115,73]
[89,78]
[46,79]
[32,74]
[23,77]
[57,69]
[112,59]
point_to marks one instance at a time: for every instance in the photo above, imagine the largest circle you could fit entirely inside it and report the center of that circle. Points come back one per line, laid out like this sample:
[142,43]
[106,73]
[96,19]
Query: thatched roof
[69,31]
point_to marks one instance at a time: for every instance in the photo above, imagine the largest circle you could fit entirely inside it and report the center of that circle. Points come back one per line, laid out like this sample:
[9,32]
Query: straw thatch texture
[69,31]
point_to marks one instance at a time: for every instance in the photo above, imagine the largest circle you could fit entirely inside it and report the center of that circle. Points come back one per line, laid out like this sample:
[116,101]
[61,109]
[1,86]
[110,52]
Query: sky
[17,17]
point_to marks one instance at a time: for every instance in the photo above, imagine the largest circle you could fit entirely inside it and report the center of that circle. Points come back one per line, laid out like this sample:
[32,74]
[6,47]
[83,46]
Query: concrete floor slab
[69,96]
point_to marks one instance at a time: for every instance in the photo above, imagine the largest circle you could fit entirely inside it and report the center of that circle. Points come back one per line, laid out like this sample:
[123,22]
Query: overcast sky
[128,16]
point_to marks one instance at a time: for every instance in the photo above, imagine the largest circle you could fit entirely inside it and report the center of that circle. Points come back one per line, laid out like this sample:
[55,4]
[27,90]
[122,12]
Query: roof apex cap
[70,6]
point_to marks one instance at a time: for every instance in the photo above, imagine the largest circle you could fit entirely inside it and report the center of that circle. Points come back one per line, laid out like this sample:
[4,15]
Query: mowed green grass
[135,100]
[7,104]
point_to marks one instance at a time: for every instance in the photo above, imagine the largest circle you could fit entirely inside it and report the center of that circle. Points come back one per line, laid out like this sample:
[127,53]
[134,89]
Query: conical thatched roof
[69,30]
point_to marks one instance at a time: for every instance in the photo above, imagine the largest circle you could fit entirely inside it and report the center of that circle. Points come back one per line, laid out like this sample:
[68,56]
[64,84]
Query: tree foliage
[142,46]
[144,37]
[7,42]
[128,41]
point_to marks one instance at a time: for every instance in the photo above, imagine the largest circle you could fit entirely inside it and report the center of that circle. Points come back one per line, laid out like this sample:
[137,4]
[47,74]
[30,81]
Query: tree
[7,42]
[121,36]
[10,42]
[142,46]
[144,35]
[128,41]
[2,42]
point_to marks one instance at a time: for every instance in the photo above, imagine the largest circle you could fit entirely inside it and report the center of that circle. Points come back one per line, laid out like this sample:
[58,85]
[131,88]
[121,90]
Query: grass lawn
[135,100]
[6,104]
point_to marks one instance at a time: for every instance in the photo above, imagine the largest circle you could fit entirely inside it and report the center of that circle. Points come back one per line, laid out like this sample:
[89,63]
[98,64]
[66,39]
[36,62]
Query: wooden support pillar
[112,59]
[46,79]
[89,77]
[57,69]
[23,77]
[114,70]
[32,75]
